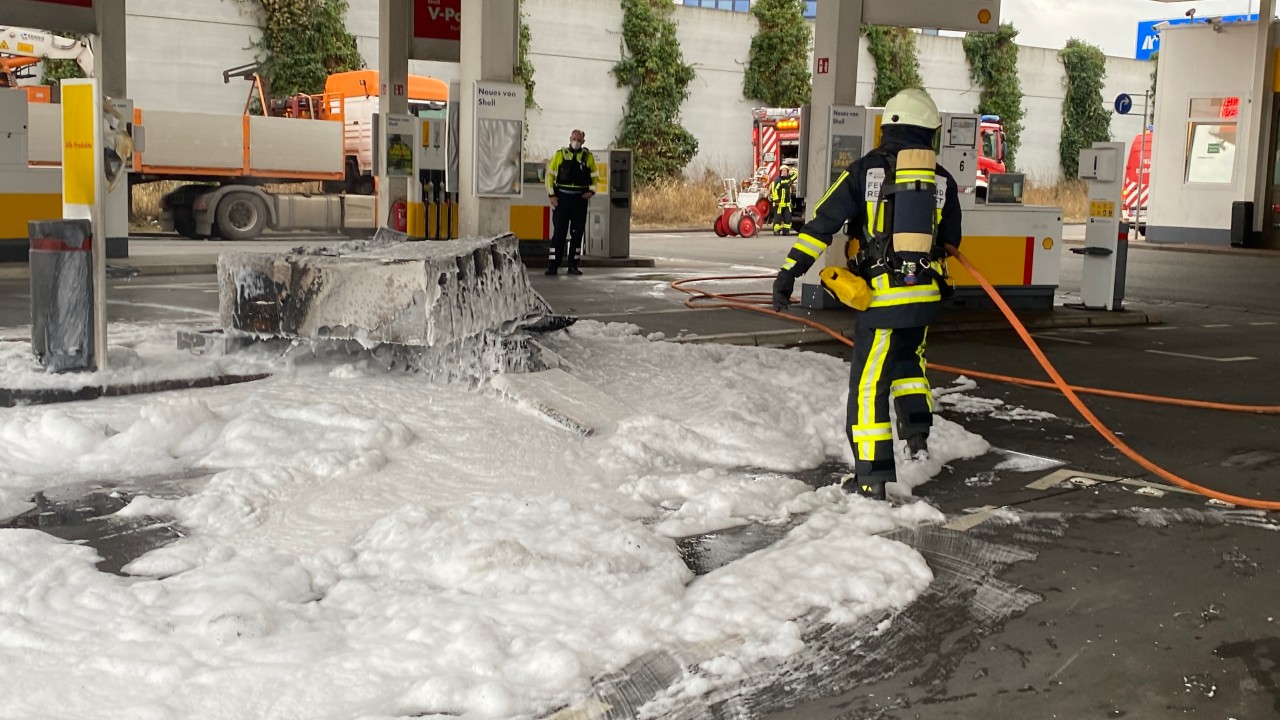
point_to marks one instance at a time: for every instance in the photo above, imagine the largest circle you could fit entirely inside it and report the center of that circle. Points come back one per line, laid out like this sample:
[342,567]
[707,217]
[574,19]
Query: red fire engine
[775,137]
[1137,174]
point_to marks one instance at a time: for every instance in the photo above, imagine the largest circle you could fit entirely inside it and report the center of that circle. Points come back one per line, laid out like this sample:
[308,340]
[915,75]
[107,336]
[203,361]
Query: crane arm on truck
[28,47]
[9,68]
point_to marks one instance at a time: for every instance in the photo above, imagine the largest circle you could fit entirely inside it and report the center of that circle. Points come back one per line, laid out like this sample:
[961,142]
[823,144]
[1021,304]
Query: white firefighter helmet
[912,106]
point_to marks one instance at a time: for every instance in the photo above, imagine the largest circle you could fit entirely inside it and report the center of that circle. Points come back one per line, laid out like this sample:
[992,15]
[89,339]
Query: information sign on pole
[499,139]
[399,146]
[846,132]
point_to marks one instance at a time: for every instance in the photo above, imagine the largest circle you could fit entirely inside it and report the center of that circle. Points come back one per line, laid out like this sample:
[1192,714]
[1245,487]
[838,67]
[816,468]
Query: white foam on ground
[374,545]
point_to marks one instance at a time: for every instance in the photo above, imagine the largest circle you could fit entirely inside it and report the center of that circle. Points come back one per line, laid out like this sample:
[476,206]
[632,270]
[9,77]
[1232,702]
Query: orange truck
[230,159]
[326,137]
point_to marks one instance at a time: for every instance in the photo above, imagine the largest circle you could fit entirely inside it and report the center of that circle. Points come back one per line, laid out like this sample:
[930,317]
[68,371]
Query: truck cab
[359,91]
[990,152]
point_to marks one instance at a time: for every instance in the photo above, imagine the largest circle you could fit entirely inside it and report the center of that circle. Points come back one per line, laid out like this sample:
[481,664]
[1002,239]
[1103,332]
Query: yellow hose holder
[846,287]
[416,220]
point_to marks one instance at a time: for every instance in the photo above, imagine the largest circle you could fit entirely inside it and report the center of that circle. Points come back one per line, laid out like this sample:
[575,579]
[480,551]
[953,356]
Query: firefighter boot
[873,489]
[918,447]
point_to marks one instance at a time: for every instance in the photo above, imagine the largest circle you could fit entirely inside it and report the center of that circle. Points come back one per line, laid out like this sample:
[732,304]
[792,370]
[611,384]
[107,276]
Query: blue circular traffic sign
[1124,103]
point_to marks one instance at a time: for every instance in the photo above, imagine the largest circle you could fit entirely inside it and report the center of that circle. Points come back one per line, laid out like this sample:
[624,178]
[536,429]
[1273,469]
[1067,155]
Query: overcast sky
[1109,24]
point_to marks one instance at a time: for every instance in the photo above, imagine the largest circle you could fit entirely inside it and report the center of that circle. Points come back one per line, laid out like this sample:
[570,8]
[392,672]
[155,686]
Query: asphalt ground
[1074,601]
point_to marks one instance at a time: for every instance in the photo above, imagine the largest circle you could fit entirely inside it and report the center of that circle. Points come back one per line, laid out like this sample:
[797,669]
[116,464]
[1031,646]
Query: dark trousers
[888,365]
[782,216]
[569,220]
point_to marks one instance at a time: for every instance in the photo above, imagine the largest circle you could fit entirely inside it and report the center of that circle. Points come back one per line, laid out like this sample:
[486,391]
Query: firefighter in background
[571,179]
[783,194]
[902,209]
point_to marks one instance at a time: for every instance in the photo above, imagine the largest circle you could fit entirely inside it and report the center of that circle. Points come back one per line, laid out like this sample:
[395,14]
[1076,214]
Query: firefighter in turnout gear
[571,181]
[902,209]
[782,194]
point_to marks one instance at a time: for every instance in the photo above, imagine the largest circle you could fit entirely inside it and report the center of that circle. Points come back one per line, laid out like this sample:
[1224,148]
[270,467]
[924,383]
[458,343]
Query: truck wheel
[184,222]
[241,216]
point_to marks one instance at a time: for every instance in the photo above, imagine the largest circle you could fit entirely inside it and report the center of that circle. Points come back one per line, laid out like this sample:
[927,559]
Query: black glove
[782,288]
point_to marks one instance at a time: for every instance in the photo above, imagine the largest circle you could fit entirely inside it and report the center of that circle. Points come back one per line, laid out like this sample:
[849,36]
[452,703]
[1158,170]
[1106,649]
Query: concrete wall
[573,49]
[178,50]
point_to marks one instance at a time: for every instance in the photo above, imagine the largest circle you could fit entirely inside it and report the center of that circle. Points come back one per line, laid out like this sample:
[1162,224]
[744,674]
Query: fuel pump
[437,219]
[958,153]
[608,232]
[1105,251]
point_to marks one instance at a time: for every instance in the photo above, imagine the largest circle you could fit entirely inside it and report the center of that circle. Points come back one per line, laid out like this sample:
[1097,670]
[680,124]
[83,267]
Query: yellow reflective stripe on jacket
[885,295]
[788,263]
[905,296]
[831,189]
[911,386]
[810,245]
[804,249]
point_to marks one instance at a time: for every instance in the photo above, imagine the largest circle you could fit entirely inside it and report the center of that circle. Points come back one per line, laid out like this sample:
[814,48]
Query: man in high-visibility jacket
[571,181]
[902,209]
[782,194]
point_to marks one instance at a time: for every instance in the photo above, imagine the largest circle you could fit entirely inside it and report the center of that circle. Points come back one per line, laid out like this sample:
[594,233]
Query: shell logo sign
[437,19]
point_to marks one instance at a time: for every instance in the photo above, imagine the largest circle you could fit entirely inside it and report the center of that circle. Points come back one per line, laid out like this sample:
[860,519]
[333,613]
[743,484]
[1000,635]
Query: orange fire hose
[761,303]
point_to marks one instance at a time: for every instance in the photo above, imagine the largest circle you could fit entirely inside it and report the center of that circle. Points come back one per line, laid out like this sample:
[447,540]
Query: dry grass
[146,201]
[677,204]
[1070,195]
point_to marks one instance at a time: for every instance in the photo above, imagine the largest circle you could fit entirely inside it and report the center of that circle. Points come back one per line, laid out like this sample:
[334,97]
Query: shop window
[1212,139]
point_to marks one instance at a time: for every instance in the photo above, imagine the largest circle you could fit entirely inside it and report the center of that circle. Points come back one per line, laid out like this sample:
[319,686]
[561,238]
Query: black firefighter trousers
[887,365]
[569,220]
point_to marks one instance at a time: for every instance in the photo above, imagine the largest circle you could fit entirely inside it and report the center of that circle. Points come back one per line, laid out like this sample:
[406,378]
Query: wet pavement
[83,513]
[1088,595]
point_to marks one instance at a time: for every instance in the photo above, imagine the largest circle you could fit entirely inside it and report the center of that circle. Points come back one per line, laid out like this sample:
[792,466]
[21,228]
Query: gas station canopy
[437,24]
[58,15]
[961,15]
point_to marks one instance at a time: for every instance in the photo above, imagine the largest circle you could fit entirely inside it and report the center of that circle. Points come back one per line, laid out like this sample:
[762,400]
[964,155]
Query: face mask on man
[575,144]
